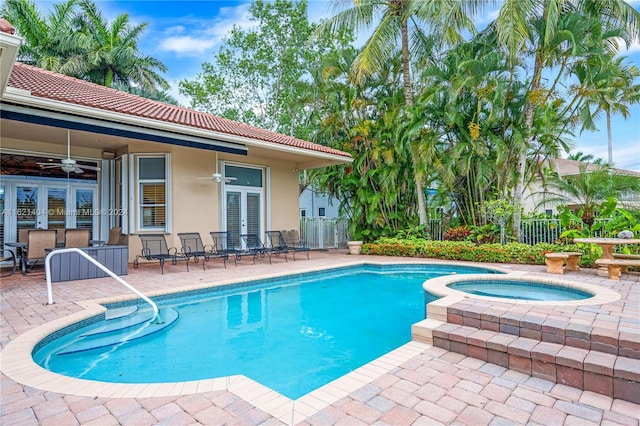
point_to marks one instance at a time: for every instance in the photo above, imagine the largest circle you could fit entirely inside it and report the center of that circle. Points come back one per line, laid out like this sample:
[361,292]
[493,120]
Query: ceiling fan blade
[49,165]
[230,178]
[204,177]
[78,170]
[84,166]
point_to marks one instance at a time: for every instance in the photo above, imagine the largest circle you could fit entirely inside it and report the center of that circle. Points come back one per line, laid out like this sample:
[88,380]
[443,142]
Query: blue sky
[184,34]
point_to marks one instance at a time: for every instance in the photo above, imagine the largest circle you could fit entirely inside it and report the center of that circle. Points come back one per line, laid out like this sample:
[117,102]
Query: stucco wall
[195,204]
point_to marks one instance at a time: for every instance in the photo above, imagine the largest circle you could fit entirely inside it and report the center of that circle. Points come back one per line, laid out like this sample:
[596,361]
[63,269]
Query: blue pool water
[520,290]
[293,334]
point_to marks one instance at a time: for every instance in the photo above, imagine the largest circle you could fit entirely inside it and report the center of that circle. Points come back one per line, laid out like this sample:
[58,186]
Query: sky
[184,34]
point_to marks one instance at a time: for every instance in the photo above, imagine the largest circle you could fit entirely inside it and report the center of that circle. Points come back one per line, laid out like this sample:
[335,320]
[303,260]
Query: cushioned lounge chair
[38,240]
[154,247]
[192,246]
[114,236]
[76,238]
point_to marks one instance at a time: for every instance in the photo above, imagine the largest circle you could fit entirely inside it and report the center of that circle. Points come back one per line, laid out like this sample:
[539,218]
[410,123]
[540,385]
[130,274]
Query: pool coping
[16,361]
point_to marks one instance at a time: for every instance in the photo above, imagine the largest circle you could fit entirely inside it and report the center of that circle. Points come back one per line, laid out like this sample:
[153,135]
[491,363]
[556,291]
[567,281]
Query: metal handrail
[47,267]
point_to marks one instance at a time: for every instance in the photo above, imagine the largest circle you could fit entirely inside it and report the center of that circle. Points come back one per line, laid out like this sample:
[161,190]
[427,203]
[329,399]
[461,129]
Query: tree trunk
[408,98]
[609,137]
[522,155]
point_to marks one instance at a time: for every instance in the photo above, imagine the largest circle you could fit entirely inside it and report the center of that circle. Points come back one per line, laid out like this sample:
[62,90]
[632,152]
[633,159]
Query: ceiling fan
[68,164]
[217,177]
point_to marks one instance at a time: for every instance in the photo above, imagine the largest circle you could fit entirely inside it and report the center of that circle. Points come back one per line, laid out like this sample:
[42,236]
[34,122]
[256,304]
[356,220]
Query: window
[152,192]
[322,212]
[303,213]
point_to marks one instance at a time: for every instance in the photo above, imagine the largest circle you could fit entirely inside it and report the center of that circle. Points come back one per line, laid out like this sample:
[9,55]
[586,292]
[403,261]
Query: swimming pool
[292,334]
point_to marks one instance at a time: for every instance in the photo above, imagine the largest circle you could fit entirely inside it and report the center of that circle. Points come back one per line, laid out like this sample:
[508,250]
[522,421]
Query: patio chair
[192,246]
[276,243]
[253,246]
[223,244]
[114,236]
[154,247]
[295,244]
[38,241]
[76,238]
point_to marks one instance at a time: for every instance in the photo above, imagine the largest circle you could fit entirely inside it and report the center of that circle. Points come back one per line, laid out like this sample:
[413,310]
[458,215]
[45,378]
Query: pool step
[125,333]
[121,323]
[116,313]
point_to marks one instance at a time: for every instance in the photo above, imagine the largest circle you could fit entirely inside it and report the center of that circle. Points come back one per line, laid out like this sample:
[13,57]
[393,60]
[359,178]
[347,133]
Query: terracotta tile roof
[6,27]
[54,86]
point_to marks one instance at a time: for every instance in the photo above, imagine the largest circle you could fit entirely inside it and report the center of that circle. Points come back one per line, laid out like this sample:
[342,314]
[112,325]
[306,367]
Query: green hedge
[465,250]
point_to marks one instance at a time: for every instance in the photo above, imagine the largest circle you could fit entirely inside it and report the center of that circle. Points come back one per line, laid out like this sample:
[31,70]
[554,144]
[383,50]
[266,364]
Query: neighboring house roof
[566,167]
[53,86]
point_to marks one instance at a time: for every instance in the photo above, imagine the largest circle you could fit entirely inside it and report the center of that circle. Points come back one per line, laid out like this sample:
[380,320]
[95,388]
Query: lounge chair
[76,238]
[253,246]
[295,244]
[154,247]
[38,240]
[223,244]
[276,243]
[192,246]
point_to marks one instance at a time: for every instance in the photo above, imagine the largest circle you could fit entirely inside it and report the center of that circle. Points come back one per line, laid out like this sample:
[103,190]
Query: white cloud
[187,45]
[197,36]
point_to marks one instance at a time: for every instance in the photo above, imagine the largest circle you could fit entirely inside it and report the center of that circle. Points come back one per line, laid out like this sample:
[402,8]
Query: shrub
[458,233]
[466,250]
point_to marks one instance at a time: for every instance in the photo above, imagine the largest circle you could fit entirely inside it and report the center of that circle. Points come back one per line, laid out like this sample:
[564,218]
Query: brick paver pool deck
[418,384]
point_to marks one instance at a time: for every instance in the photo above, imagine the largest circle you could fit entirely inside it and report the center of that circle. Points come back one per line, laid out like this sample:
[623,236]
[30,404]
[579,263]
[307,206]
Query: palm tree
[110,52]
[589,188]
[48,41]
[518,37]
[610,87]
[403,19]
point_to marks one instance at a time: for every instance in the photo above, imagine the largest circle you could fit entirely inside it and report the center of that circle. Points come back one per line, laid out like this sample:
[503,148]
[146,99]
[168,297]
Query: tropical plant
[49,41]
[74,39]
[404,20]
[540,27]
[110,52]
[594,184]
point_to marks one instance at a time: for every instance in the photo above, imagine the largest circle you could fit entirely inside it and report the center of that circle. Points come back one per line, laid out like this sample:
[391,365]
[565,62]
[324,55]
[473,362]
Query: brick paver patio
[434,387]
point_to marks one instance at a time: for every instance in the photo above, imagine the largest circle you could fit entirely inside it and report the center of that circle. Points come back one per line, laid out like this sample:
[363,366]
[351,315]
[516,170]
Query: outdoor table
[20,254]
[607,245]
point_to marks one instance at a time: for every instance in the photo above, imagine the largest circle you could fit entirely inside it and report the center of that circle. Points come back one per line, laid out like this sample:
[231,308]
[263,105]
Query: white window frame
[167,185]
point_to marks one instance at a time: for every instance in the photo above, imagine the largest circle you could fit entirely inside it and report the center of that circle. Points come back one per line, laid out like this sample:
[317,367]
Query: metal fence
[323,233]
[334,233]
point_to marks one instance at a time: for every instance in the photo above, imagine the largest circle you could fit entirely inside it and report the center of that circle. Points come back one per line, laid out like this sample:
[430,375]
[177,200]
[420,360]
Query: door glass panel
[84,210]
[26,209]
[56,208]
[253,214]
[233,217]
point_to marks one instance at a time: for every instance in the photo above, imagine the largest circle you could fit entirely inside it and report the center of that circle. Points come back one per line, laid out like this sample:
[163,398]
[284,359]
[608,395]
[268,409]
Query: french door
[243,213]
[30,204]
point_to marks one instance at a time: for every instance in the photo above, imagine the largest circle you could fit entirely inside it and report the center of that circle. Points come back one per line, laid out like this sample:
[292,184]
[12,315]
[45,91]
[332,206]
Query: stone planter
[355,247]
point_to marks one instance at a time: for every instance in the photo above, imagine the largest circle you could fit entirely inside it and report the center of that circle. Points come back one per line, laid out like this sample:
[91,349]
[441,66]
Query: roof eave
[312,159]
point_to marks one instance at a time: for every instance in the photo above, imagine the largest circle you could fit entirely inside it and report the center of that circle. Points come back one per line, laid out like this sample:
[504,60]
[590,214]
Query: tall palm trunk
[610,147]
[408,98]
[522,155]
